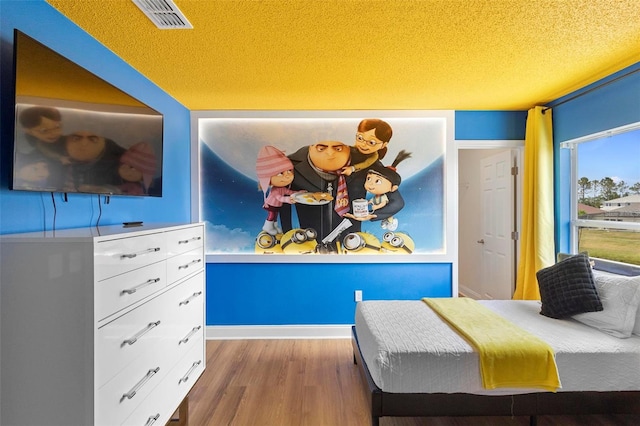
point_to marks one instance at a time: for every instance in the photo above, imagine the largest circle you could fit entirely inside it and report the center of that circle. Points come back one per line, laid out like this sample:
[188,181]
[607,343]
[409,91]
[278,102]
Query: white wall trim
[237,332]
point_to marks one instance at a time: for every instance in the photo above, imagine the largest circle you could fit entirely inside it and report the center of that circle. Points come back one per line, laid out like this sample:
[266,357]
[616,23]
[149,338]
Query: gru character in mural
[372,138]
[317,170]
[384,199]
[275,174]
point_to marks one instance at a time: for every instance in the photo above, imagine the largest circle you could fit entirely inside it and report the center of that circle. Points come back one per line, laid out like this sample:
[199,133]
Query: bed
[414,364]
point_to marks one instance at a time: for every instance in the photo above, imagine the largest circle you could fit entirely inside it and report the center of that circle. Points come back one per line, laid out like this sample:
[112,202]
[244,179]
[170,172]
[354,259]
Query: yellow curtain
[537,247]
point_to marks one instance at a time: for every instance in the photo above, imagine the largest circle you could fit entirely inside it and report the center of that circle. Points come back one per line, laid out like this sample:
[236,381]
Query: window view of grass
[608,190]
[618,245]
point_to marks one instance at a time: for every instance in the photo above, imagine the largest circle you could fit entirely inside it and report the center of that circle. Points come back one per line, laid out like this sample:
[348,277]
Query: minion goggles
[395,241]
[355,242]
[301,235]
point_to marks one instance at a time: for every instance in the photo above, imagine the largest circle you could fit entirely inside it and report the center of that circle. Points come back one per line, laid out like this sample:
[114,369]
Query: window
[605,197]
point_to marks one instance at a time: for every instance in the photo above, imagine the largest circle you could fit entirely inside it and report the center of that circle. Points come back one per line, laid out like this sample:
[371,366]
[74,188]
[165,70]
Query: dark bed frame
[385,404]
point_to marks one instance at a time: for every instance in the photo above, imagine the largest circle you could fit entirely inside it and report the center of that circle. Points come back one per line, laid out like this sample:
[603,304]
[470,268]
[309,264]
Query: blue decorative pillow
[568,288]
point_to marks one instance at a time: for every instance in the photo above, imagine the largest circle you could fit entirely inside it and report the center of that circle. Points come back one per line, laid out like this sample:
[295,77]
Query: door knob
[480,241]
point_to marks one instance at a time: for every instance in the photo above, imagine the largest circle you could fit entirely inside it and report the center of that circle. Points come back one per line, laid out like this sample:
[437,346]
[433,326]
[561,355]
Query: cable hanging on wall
[55,212]
[99,212]
[107,200]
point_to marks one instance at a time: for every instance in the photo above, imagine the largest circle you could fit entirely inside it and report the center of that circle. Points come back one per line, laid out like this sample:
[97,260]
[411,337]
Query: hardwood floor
[311,383]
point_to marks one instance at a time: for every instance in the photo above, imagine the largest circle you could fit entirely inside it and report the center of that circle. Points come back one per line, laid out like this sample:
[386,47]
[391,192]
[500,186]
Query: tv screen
[75,132]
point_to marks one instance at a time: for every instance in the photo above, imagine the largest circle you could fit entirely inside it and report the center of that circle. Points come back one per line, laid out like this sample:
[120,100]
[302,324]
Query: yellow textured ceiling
[370,54]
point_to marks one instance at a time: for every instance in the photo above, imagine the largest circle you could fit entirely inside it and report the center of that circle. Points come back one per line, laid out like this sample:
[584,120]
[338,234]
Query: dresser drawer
[189,312]
[116,293]
[114,257]
[183,240]
[189,297]
[125,392]
[138,333]
[177,384]
[187,371]
[184,264]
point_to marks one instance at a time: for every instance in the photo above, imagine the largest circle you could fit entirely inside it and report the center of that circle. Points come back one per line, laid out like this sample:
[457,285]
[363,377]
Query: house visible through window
[605,198]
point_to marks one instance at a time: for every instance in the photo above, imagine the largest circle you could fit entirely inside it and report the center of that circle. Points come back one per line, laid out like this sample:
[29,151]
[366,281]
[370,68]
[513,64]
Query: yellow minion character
[299,241]
[268,244]
[397,243]
[360,243]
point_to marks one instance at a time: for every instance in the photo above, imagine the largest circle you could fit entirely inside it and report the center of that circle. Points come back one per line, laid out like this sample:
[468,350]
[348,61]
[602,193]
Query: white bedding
[409,349]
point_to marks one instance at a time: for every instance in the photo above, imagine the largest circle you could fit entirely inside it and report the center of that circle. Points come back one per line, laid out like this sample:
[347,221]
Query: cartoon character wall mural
[323,188]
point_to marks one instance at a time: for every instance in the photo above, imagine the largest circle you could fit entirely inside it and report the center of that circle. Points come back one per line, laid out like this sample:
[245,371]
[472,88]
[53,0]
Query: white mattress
[409,349]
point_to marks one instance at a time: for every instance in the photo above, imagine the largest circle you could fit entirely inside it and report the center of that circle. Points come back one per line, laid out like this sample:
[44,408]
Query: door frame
[498,144]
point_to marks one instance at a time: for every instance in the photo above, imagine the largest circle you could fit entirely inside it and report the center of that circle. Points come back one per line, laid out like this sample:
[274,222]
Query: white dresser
[100,326]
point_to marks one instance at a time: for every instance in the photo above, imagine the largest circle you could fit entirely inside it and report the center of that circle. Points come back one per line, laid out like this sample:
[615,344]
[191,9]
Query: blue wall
[488,125]
[275,294]
[237,294]
[25,211]
[609,103]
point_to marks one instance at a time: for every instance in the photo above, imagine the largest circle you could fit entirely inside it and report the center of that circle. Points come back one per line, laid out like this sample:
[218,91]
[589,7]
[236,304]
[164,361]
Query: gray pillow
[620,297]
[568,288]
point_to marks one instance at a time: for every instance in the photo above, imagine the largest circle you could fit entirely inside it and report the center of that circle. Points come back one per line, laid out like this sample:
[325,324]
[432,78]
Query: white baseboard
[236,332]
[467,292]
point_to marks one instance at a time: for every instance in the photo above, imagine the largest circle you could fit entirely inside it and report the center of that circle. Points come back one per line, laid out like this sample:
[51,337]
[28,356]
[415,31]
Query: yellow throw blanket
[509,356]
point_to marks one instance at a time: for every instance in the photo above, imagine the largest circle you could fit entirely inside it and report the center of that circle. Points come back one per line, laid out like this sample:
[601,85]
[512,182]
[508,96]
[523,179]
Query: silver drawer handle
[141,333]
[193,367]
[151,420]
[193,331]
[189,240]
[140,384]
[189,264]
[140,253]
[193,296]
[139,286]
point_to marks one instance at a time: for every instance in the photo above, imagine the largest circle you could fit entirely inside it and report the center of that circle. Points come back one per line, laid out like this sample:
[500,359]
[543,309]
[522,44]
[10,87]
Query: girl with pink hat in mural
[275,174]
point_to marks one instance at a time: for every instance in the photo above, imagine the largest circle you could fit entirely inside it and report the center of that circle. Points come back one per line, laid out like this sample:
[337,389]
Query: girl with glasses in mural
[372,138]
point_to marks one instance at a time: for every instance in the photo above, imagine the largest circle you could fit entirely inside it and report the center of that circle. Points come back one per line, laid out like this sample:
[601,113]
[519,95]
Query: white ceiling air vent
[164,14]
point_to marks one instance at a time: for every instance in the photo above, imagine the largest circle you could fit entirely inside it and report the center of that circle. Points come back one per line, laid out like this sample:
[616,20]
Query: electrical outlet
[358,295]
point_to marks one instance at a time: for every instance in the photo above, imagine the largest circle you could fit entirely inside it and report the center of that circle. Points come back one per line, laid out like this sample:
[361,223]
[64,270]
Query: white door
[497,225]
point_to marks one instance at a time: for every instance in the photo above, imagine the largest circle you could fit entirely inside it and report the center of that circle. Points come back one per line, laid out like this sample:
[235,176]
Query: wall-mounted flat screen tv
[76,133]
